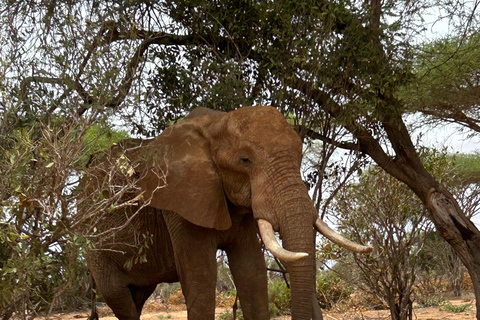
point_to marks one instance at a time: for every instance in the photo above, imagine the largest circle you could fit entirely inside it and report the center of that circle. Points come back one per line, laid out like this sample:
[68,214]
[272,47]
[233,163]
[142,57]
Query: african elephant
[209,182]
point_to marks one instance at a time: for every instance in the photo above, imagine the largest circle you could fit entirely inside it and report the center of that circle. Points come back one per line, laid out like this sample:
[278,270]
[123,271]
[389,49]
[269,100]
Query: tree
[42,239]
[447,82]
[438,261]
[146,63]
[459,172]
[381,211]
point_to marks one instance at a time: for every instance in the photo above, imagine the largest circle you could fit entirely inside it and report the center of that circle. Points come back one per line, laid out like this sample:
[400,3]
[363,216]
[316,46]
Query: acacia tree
[447,85]
[147,63]
[459,173]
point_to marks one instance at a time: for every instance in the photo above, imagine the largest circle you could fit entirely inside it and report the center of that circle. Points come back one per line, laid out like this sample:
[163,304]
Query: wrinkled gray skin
[233,169]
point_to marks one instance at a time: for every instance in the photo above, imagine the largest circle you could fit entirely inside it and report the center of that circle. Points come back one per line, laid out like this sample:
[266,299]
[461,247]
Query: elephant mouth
[268,237]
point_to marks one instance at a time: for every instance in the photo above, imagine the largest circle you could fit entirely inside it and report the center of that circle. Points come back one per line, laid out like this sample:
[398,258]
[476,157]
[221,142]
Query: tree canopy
[346,72]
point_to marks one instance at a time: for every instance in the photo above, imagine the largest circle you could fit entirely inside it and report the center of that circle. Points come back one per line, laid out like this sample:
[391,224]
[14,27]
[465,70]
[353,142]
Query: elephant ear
[177,173]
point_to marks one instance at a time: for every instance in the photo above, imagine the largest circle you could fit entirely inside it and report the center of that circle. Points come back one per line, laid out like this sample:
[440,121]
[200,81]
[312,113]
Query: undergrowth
[455,308]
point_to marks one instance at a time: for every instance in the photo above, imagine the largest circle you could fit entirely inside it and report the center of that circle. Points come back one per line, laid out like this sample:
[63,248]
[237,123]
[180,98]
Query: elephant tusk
[268,237]
[324,229]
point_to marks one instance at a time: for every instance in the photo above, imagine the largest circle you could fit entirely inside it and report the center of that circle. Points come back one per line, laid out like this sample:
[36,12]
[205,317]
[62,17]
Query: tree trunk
[459,232]
[444,211]
[459,284]
[406,166]
[457,289]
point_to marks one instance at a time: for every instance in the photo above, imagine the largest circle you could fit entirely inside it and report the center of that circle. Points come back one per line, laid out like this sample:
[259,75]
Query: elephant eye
[245,159]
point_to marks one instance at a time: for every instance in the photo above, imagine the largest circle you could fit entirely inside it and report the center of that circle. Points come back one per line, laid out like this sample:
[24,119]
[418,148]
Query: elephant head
[250,159]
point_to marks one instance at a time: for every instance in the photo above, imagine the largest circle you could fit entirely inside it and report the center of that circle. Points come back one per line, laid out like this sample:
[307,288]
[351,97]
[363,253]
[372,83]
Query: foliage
[332,289]
[226,299]
[381,211]
[224,276]
[430,300]
[40,252]
[176,298]
[438,261]
[279,297]
[447,81]
[163,291]
[43,244]
[468,166]
[228,315]
[339,68]
[99,137]
[455,308]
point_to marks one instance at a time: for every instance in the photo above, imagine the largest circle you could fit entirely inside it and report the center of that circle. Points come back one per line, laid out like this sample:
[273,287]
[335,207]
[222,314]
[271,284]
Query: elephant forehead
[263,125]
[247,117]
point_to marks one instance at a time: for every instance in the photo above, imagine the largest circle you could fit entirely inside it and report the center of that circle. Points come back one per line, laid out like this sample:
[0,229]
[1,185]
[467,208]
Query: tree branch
[112,32]
[71,84]
[317,136]
[456,116]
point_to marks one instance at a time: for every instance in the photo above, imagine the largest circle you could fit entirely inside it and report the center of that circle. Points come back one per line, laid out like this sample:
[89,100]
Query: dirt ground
[160,312]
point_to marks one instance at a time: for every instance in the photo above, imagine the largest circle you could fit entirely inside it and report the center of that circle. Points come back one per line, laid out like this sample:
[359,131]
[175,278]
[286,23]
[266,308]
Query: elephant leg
[110,282]
[195,251]
[120,300]
[140,295]
[247,265]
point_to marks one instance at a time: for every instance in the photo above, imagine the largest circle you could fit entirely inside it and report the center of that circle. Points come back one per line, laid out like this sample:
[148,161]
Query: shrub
[362,300]
[273,310]
[455,308]
[165,290]
[429,300]
[279,297]
[176,298]
[226,299]
[228,315]
[331,289]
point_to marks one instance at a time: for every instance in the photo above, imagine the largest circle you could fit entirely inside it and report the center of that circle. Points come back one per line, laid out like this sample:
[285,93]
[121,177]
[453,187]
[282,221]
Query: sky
[449,135]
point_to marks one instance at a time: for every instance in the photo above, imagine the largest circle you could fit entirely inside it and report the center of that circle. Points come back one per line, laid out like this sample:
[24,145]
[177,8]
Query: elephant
[213,180]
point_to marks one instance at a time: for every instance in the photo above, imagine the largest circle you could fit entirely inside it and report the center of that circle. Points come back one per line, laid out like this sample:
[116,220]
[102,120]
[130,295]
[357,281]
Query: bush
[361,300]
[331,289]
[279,297]
[165,290]
[429,300]
[226,299]
[228,315]
[278,301]
[455,308]
[176,298]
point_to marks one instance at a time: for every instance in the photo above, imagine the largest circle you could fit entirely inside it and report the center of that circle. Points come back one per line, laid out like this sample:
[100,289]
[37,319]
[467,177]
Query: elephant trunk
[301,271]
[290,211]
[298,235]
